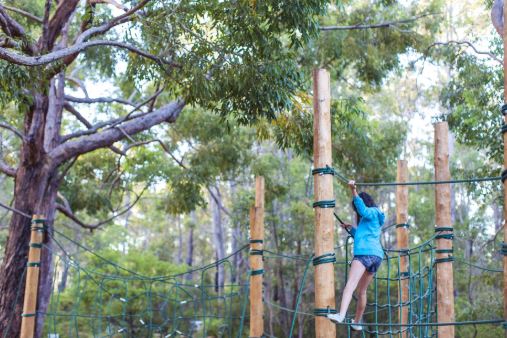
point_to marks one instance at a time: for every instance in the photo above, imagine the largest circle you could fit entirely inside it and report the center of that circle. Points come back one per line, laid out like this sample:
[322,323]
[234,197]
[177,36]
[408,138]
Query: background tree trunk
[218,233]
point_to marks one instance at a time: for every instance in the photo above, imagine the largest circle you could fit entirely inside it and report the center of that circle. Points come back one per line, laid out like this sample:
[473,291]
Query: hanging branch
[387,24]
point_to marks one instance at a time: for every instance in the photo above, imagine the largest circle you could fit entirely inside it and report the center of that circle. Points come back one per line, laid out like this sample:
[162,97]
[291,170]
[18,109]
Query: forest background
[178,195]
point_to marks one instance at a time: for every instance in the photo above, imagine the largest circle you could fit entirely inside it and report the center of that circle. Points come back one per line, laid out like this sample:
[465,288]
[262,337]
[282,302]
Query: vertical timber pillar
[504,173]
[256,263]
[402,241]
[29,319]
[443,229]
[324,203]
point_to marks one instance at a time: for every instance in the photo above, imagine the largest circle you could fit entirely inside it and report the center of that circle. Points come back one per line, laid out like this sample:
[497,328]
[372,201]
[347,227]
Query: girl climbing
[368,254]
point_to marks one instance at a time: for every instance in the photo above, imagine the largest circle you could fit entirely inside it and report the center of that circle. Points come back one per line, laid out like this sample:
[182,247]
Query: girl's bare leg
[361,294]
[357,270]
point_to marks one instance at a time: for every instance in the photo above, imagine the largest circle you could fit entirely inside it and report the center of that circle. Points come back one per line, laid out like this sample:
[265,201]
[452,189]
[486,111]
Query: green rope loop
[33,264]
[325,204]
[323,171]
[504,109]
[28,314]
[253,241]
[320,312]
[36,245]
[403,225]
[444,260]
[444,251]
[444,236]
[504,128]
[39,228]
[325,258]
[504,175]
[440,229]
[504,325]
[38,221]
[256,272]
[254,252]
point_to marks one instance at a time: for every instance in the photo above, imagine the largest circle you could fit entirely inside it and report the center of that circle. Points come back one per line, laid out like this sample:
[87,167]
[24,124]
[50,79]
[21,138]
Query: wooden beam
[445,288]
[324,222]
[256,263]
[402,239]
[32,278]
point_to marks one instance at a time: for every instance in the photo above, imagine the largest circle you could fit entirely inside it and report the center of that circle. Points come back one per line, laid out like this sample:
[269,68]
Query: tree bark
[218,234]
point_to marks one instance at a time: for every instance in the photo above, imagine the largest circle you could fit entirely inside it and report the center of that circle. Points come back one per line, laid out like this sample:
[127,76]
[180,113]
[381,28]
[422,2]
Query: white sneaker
[336,317]
[356,327]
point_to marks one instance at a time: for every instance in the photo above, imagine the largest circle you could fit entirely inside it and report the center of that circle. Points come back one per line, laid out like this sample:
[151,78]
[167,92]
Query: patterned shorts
[371,263]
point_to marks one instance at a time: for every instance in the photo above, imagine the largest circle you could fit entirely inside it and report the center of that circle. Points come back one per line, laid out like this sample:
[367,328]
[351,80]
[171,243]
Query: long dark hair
[368,201]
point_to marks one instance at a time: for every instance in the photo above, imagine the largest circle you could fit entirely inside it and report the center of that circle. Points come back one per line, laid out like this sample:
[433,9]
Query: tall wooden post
[324,222]
[445,289]
[402,239]
[505,168]
[256,263]
[32,278]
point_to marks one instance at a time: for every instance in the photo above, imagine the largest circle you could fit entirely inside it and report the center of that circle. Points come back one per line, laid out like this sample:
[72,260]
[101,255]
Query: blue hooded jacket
[367,234]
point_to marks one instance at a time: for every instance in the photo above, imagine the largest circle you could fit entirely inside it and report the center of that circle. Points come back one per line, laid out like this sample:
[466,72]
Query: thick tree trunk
[35,193]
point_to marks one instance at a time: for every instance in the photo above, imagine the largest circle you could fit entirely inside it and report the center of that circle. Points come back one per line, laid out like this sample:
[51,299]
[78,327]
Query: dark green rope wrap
[253,241]
[444,251]
[444,236]
[404,252]
[504,128]
[325,258]
[504,248]
[36,245]
[33,264]
[444,260]
[504,109]
[38,225]
[256,272]
[28,314]
[254,252]
[504,325]
[504,175]
[323,312]
[403,225]
[323,171]
[325,204]
[404,275]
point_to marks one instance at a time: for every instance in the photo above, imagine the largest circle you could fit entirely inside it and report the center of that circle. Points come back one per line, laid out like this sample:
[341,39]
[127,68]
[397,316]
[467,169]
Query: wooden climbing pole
[32,278]
[402,240]
[324,222]
[443,229]
[256,263]
[505,168]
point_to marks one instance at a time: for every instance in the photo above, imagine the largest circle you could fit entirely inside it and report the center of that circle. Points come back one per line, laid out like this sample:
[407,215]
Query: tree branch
[105,138]
[23,13]
[62,14]
[65,210]
[387,24]
[98,100]
[12,129]
[7,170]
[87,124]
[13,29]
[469,44]
[60,54]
